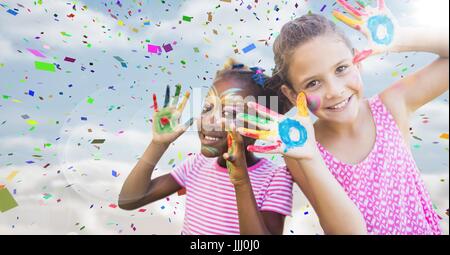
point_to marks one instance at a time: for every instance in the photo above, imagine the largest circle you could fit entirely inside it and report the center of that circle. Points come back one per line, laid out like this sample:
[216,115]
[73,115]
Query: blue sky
[121,110]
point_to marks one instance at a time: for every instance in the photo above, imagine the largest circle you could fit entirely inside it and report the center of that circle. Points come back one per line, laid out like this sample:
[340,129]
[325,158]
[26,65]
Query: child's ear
[290,94]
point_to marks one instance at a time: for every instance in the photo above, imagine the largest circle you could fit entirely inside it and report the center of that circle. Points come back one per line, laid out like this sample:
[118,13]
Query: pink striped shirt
[211,207]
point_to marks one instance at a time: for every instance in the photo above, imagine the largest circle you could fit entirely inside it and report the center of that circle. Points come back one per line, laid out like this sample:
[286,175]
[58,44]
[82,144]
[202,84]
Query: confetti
[249,48]
[43,66]
[37,53]
[98,141]
[7,201]
[69,59]
[187,18]
[11,176]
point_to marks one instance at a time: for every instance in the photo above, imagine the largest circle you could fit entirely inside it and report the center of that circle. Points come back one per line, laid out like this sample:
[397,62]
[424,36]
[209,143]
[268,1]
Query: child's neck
[250,158]
[347,129]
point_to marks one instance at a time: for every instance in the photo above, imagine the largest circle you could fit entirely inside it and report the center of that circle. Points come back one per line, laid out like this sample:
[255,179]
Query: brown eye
[312,84]
[230,114]
[207,107]
[341,69]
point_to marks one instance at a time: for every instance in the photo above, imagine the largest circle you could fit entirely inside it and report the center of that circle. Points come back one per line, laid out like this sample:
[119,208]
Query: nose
[335,88]
[212,122]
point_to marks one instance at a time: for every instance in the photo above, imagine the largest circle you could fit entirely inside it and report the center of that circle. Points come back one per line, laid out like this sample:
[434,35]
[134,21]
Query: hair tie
[259,77]
[238,66]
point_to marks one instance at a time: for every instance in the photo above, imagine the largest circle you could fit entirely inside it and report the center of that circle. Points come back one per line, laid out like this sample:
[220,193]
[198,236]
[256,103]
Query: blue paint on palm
[285,129]
[378,22]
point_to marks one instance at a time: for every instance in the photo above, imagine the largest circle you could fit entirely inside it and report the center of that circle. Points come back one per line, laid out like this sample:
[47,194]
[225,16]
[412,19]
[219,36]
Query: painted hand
[377,24]
[235,157]
[166,121]
[292,137]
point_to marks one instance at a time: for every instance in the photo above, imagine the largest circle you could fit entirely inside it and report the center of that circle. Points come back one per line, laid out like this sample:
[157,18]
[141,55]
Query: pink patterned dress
[386,186]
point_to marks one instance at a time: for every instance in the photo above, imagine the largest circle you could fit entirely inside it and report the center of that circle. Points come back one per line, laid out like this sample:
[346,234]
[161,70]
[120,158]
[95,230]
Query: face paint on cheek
[292,134]
[314,103]
[230,92]
[211,150]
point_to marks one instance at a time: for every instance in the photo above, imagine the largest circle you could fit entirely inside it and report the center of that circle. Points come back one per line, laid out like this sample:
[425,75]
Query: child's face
[225,100]
[323,68]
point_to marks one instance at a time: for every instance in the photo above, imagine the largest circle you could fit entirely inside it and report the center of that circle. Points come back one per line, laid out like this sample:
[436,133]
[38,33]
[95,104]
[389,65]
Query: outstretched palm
[292,137]
[166,121]
[377,24]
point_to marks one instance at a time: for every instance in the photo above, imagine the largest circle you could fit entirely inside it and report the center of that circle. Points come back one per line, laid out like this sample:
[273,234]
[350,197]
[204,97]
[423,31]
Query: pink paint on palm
[263,109]
[349,8]
[264,149]
[359,57]
[381,5]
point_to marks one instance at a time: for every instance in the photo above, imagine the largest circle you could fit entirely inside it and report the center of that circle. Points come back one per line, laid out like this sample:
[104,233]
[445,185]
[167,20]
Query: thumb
[229,157]
[182,128]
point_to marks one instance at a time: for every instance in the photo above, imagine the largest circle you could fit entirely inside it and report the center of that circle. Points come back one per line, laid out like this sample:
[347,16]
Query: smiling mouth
[210,140]
[340,106]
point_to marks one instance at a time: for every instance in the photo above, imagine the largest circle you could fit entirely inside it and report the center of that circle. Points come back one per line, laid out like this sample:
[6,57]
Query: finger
[231,145]
[167,98]
[184,102]
[185,126]
[260,123]
[302,105]
[268,149]
[155,103]
[176,98]
[353,23]
[381,5]
[237,138]
[361,4]
[257,134]
[229,157]
[350,9]
[229,141]
[264,111]
[361,56]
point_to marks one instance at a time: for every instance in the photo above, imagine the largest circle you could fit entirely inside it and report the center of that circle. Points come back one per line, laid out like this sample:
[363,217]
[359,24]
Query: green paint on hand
[165,121]
[254,119]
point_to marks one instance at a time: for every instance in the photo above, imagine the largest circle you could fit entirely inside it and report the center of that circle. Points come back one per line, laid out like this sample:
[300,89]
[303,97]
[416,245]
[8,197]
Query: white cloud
[41,20]
[232,33]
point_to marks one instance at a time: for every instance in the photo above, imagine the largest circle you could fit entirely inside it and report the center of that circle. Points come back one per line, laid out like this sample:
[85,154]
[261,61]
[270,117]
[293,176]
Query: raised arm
[307,166]
[251,220]
[417,89]
[384,34]
[139,189]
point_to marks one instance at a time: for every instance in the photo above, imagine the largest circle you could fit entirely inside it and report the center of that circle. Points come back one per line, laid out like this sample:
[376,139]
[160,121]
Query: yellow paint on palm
[302,105]
[258,134]
[354,23]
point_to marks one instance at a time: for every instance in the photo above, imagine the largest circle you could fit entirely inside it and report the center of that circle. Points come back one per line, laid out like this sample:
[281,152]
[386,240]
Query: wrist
[160,143]
[241,182]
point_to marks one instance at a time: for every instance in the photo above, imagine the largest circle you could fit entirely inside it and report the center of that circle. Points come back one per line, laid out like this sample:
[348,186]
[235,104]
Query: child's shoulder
[268,166]
[195,159]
